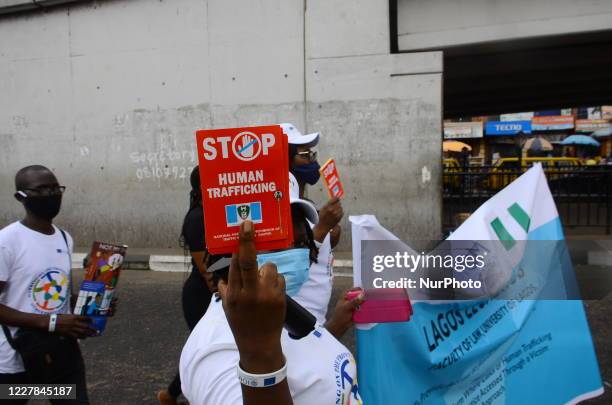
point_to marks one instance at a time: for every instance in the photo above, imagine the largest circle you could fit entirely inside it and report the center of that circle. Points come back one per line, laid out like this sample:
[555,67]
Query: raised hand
[342,318]
[255,306]
[329,216]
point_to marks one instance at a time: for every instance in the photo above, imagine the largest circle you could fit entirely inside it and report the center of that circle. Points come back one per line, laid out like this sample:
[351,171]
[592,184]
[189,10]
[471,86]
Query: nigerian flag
[493,351]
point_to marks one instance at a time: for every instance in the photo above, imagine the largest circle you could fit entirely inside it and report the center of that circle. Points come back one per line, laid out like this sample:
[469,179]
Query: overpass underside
[528,74]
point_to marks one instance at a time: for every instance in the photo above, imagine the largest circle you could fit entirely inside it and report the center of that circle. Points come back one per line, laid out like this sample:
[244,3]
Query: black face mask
[45,207]
[308,173]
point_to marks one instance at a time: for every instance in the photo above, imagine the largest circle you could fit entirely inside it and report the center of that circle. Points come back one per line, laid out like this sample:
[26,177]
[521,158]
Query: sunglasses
[45,190]
[308,154]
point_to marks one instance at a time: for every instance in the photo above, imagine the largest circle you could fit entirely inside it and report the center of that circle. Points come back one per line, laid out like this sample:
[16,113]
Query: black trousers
[77,378]
[196,298]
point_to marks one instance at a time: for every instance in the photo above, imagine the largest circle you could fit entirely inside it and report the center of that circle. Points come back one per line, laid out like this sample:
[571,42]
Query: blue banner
[515,350]
[507,127]
[498,352]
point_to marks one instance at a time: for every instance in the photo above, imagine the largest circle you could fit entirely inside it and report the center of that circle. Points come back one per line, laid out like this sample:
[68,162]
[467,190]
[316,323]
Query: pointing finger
[247,256]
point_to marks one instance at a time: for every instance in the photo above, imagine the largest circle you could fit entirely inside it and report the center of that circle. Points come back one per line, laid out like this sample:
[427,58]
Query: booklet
[244,175]
[99,283]
[330,175]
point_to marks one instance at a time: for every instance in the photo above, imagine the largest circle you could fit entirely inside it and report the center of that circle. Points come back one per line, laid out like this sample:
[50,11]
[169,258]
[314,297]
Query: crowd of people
[236,306]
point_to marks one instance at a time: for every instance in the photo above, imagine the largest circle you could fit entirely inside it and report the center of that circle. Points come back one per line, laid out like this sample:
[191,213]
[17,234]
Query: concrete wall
[109,94]
[426,24]
[380,115]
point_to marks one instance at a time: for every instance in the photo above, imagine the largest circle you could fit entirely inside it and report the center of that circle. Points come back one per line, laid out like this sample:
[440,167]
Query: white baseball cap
[294,198]
[297,138]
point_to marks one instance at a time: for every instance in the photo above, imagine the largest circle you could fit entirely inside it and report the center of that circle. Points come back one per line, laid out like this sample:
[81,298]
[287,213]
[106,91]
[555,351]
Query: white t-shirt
[315,293]
[320,370]
[36,268]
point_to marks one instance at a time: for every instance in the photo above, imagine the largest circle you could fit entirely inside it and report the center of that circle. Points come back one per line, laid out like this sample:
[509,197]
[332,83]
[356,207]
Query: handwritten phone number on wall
[163,156]
[158,172]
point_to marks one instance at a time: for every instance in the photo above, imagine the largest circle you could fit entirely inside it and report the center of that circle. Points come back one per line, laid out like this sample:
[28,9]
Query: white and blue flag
[494,351]
[235,214]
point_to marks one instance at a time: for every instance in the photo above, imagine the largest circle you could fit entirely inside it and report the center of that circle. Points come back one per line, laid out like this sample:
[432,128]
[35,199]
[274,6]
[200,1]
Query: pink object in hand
[382,305]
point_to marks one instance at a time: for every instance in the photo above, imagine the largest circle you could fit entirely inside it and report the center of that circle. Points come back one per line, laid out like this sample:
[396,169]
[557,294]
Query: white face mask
[293,264]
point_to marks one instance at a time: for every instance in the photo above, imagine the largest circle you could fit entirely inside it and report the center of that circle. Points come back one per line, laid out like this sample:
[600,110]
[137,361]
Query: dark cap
[218,263]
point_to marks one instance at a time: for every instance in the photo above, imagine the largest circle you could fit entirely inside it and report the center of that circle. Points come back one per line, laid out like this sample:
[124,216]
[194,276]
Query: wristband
[52,322]
[261,380]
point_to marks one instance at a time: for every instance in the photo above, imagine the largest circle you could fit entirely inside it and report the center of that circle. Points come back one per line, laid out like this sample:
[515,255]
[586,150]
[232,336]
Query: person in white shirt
[319,369]
[35,279]
[316,292]
[304,166]
[304,169]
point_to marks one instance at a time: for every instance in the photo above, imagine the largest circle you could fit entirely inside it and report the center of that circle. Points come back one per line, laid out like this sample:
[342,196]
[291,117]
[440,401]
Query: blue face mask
[308,173]
[293,264]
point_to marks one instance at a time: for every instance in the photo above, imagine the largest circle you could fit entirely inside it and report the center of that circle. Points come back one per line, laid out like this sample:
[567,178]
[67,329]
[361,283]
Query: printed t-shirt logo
[49,291]
[344,379]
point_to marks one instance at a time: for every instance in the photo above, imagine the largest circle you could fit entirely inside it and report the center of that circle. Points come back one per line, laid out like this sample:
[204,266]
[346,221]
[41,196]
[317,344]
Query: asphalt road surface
[139,352]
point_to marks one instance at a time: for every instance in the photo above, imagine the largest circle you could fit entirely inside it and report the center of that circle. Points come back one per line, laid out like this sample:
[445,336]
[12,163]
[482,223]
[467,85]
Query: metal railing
[582,194]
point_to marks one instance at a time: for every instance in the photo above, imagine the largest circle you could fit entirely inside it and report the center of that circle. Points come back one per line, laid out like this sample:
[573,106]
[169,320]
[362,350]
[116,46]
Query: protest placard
[329,171]
[244,175]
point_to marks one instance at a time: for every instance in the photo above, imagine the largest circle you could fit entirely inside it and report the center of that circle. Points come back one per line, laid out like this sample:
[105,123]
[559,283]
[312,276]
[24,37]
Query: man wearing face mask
[35,284]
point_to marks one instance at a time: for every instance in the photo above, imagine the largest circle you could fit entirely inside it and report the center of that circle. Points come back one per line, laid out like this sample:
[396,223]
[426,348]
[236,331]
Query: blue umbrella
[580,140]
[603,132]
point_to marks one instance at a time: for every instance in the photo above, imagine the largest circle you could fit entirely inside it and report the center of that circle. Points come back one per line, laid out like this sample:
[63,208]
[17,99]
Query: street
[139,352]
